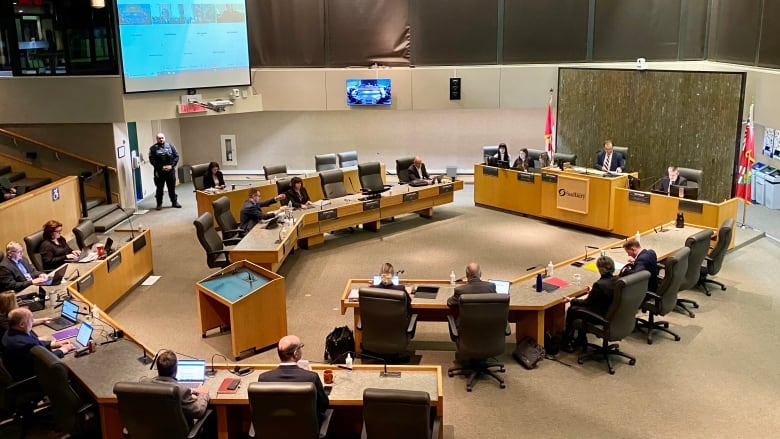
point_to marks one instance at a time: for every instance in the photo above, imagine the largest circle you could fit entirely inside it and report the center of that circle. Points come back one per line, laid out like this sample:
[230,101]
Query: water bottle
[452,277]
[637,236]
[95,312]
[538,282]
[550,269]
[289,210]
[348,361]
[680,223]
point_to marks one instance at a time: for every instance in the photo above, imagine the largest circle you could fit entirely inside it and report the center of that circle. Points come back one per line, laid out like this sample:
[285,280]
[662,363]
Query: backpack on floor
[338,343]
[528,353]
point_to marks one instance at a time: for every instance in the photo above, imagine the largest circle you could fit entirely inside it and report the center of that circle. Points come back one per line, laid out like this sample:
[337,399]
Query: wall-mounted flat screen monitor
[167,45]
[369,92]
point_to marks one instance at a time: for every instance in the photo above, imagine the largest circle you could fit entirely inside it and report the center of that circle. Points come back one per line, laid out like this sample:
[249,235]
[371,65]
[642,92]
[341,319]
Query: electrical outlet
[236,93]
[244,94]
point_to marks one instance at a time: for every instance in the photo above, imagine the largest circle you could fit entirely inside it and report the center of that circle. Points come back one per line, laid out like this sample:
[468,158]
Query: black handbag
[339,342]
[528,353]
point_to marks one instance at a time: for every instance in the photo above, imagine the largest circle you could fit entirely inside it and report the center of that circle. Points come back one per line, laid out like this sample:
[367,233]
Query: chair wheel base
[631,362]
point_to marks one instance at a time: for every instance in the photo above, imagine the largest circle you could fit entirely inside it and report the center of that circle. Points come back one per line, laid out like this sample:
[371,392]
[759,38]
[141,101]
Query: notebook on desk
[191,373]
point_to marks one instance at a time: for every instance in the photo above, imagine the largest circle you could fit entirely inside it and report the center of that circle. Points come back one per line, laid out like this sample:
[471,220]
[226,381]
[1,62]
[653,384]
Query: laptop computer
[191,373]
[502,286]
[378,280]
[82,337]
[56,278]
[68,317]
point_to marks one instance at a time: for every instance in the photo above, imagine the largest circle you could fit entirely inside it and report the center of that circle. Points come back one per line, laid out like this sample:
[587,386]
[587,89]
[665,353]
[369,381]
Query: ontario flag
[549,130]
[746,160]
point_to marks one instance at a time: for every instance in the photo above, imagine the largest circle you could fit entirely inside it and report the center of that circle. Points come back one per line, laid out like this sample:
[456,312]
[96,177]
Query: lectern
[246,299]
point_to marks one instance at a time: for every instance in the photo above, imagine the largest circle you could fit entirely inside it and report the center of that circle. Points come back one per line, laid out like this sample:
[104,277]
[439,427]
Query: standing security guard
[163,157]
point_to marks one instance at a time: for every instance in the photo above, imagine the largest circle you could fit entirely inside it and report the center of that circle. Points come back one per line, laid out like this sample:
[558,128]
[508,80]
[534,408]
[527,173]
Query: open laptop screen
[191,370]
[70,310]
[502,286]
[85,333]
[378,280]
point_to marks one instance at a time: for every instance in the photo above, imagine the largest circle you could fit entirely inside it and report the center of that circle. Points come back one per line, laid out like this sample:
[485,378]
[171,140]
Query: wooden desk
[531,311]
[265,248]
[254,311]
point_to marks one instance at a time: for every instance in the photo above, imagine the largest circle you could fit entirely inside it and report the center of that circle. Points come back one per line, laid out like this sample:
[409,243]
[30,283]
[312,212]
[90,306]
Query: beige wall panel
[291,89]
[164,105]
[479,87]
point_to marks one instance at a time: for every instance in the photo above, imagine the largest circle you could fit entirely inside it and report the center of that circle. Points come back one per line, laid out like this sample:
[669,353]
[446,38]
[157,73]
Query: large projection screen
[183,44]
[690,119]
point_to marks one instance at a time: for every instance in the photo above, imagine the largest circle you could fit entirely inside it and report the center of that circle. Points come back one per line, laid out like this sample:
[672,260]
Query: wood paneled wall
[685,118]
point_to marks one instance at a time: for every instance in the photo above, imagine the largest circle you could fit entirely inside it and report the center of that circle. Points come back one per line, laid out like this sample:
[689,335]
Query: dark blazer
[600,297]
[664,186]
[504,158]
[251,213]
[193,408]
[645,260]
[296,200]
[53,255]
[523,165]
[208,180]
[296,374]
[414,175]
[16,353]
[617,161]
[474,286]
[3,192]
[11,278]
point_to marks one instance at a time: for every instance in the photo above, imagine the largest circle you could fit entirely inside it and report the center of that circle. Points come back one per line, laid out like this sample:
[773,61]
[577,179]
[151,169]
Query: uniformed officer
[163,157]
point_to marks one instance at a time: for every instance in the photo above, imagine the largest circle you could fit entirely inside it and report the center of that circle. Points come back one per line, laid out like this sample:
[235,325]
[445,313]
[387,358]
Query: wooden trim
[55,149]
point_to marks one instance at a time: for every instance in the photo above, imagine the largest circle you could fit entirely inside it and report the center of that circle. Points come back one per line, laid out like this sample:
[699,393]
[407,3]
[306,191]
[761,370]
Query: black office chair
[286,409]
[216,255]
[153,411]
[18,398]
[386,322]
[283,185]
[536,158]
[402,169]
[348,159]
[562,157]
[85,234]
[33,244]
[489,151]
[393,413]
[694,176]
[197,172]
[699,243]
[370,175]
[618,322]
[333,183]
[714,260]
[664,300]
[72,414]
[624,151]
[275,171]
[231,232]
[479,335]
[325,162]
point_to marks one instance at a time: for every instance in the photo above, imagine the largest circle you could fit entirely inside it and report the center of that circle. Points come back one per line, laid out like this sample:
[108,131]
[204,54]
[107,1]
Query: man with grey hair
[474,285]
[18,341]
[16,272]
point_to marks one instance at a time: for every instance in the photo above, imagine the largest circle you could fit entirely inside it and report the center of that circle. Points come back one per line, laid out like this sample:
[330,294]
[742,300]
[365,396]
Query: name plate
[114,261]
[549,178]
[327,214]
[411,196]
[371,205]
[445,188]
[639,197]
[690,206]
[139,243]
[85,282]
[525,176]
[489,170]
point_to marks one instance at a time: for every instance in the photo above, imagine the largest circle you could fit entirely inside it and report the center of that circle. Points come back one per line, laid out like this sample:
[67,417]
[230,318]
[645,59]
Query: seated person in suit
[18,341]
[672,179]
[502,154]
[386,275]
[417,170]
[298,194]
[54,249]
[640,259]
[523,162]
[598,301]
[289,349]
[193,401]
[474,285]
[213,177]
[250,211]
[6,193]
[610,160]
[16,272]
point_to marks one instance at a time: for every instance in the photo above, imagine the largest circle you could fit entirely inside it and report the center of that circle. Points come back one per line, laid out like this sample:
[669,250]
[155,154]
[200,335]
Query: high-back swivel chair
[275,171]
[402,169]
[286,409]
[216,255]
[197,172]
[325,162]
[393,413]
[333,183]
[85,234]
[385,321]
[714,260]
[694,176]
[33,244]
[231,232]
[699,243]
[664,300]
[348,159]
[370,175]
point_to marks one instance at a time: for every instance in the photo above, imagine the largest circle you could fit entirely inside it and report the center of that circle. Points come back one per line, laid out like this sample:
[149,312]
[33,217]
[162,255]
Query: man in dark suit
[289,349]
[641,259]
[598,301]
[16,272]
[417,170]
[251,214]
[193,401]
[609,160]
[18,341]
[672,179]
[474,285]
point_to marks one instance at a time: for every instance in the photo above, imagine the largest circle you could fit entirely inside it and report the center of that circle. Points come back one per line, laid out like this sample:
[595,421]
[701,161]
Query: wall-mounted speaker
[454,89]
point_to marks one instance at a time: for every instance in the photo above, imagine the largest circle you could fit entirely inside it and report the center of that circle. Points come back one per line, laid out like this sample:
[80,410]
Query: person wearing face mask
[523,162]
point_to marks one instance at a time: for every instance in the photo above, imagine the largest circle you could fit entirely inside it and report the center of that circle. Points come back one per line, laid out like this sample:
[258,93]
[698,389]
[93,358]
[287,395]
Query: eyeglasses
[300,346]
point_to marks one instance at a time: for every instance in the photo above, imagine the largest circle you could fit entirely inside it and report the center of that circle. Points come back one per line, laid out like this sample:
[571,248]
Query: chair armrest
[708,258]
[508,329]
[326,423]
[359,324]
[412,324]
[598,318]
[453,327]
[198,427]
[231,241]
[654,297]
[22,383]
[217,252]
[436,427]
[84,408]
[241,232]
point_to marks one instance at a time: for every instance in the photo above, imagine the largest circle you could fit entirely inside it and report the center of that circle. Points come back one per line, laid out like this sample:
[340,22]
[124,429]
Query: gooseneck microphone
[129,219]
[382,374]
[154,360]
[589,258]
[213,371]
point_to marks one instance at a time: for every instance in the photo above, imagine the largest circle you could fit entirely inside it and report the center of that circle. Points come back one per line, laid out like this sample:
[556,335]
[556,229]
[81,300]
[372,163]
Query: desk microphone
[154,360]
[213,371]
[589,258]
[382,374]
[129,219]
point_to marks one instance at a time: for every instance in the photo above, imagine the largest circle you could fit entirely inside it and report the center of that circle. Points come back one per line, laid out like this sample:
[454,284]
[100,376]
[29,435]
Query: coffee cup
[99,248]
[328,376]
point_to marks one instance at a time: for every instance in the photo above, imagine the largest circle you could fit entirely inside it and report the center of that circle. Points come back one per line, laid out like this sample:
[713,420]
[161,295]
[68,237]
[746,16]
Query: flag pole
[747,155]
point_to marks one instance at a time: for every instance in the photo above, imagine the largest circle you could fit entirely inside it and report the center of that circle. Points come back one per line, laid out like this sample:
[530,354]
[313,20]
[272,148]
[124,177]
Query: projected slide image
[368,92]
[135,14]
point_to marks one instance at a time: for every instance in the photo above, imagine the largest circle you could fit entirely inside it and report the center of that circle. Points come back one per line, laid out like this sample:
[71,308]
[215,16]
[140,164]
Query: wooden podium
[247,299]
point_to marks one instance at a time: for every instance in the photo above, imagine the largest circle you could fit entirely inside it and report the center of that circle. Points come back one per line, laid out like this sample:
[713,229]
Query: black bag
[552,343]
[338,342]
[528,353]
